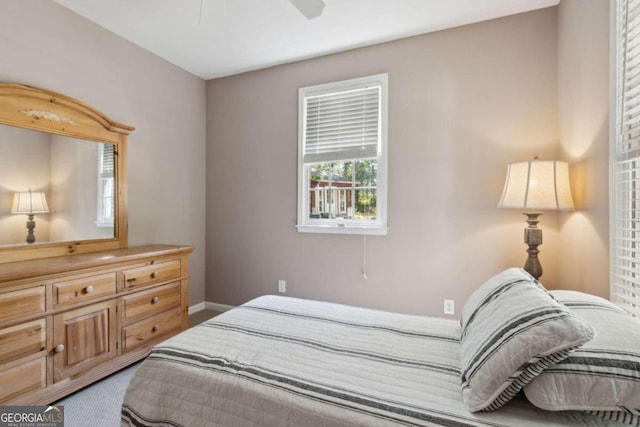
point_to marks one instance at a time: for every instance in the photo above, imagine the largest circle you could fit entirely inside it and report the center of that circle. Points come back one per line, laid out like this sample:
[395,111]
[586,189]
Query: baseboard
[209,306]
[196,308]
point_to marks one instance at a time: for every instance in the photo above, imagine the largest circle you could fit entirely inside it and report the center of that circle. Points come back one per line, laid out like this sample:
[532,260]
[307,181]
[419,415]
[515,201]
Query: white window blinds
[106,162]
[625,251]
[342,125]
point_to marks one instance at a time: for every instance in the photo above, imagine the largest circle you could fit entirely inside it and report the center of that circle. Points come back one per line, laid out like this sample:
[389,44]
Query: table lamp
[29,203]
[535,186]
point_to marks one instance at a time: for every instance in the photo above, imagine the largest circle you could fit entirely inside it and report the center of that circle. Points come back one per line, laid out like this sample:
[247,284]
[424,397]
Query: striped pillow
[601,376]
[512,329]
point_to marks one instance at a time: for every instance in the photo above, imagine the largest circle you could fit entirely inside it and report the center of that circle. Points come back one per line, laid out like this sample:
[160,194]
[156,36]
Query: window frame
[344,226]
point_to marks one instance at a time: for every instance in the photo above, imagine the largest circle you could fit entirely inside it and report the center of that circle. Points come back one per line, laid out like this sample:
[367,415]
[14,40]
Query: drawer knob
[155,328]
[154,274]
[88,289]
[155,300]
[59,348]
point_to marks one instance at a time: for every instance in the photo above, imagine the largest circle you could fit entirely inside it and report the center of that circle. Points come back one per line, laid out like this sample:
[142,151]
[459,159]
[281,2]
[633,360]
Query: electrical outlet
[282,286]
[449,306]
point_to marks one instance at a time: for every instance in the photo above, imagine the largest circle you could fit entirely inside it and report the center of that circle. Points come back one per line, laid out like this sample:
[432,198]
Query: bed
[280,361]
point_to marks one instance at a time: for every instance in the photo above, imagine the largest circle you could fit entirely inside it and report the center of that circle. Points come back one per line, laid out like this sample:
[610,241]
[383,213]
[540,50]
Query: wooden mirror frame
[38,109]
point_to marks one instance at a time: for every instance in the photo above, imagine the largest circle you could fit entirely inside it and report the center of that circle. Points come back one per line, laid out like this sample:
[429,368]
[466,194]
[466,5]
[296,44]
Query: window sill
[339,229]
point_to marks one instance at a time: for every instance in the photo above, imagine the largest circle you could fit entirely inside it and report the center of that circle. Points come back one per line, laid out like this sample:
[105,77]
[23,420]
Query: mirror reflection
[54,188]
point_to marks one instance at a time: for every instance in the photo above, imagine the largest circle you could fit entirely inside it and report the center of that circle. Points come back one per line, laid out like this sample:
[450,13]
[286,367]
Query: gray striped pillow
[603,375]
[512,329]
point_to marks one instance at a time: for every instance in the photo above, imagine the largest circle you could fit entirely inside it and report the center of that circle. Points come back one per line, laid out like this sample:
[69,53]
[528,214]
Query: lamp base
[31,224]
[533,238]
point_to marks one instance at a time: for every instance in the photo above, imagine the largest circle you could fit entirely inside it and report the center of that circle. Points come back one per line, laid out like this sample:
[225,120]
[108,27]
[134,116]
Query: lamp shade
[537,185]
[29,203]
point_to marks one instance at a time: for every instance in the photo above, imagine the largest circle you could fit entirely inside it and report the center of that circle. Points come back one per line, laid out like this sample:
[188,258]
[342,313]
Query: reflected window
[106,185]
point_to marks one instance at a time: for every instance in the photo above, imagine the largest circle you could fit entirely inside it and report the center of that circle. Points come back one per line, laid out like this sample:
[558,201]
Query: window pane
[106,214]
[331,190]
[343,190]
[366,202]
[367,173]
[366,189]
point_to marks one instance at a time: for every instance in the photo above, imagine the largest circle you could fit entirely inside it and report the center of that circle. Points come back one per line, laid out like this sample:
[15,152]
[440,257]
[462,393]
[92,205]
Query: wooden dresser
[67,321]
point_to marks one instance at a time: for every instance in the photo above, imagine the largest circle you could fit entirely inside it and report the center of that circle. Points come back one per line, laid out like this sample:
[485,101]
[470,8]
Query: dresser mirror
[62,169]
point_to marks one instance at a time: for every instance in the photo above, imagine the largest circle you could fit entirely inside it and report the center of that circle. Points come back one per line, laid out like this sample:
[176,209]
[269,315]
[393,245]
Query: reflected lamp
[29,203]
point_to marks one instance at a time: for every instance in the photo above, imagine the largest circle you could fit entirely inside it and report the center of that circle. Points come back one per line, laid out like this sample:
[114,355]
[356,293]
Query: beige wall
[45,45]
[462,104]
[583,100]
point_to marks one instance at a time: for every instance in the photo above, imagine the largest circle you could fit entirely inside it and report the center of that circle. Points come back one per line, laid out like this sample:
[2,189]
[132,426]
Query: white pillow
[604,374]
[512,329]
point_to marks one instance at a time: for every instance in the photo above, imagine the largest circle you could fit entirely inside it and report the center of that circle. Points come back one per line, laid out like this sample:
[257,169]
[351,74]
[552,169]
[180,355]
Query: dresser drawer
[22,340]
[146,331]
[20,377]
[22,302]
[155,272]
[153,301]
[83,288]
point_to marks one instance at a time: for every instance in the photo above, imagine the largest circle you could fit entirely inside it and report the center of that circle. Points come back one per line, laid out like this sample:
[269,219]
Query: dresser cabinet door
[83,338]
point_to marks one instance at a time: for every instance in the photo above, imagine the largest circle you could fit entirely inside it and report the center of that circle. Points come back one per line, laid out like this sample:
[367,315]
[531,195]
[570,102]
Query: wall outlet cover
[449,306]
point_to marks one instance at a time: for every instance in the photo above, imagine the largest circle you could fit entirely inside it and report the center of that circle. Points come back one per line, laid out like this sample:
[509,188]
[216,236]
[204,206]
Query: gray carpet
[98,405]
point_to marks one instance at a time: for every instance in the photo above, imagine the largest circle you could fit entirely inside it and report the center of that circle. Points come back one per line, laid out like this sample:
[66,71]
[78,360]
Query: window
[106,185]
[625,158]
[342,157]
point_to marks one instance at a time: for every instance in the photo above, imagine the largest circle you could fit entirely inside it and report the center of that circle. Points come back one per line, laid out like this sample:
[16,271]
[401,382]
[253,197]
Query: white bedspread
[278,361]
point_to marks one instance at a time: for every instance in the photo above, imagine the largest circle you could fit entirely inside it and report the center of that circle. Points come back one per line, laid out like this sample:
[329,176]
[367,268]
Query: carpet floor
[98,405]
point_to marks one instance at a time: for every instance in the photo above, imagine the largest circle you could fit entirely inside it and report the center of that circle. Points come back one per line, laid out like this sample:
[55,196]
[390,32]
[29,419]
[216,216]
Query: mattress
[279,361]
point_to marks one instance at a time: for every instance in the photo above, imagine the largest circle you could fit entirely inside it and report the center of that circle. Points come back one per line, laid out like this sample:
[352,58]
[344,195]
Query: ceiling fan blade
[309,8]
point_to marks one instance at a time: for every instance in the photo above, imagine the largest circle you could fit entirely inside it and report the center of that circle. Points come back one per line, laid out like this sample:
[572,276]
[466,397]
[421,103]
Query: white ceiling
[233,36]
